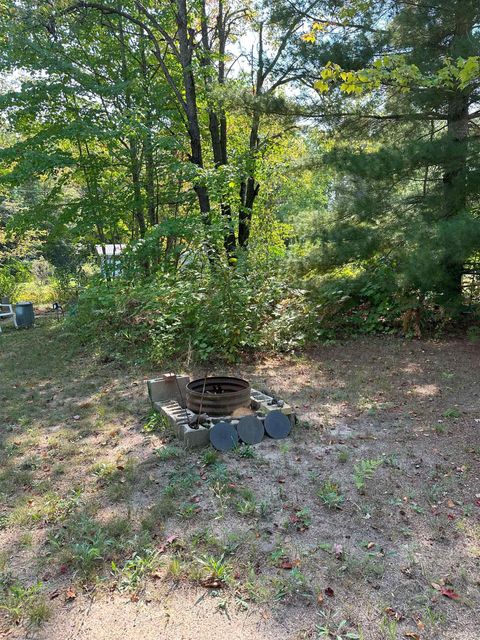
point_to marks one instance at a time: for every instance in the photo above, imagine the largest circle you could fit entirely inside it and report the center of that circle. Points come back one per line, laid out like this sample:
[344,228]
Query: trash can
[24,314]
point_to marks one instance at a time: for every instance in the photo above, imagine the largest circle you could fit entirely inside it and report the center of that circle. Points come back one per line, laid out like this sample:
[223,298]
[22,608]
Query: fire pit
[218,395]
[207,410]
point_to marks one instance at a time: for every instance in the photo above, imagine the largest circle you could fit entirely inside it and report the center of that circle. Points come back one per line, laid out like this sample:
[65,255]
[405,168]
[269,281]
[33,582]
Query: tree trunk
[191,110]
[148,144]
[455,170]
[217,123]
[249,188]
[135,168]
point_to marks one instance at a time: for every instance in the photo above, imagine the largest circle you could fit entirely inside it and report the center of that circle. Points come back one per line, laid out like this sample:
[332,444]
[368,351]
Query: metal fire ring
[218,395]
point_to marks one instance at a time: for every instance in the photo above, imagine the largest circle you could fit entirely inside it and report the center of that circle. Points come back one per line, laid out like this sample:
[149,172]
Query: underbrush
[216,312]
[351,302]
[197,316]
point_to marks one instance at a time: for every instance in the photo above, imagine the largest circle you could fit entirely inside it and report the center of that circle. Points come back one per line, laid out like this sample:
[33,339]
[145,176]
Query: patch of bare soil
[365,523]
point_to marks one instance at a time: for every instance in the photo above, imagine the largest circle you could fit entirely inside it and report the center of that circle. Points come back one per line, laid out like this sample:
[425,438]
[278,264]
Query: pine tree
[408,154]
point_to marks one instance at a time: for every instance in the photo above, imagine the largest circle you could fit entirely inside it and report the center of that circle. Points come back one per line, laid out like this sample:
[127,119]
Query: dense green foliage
[280,173]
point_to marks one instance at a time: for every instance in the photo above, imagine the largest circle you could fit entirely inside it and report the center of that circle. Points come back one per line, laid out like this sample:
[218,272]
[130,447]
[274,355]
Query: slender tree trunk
[455,170]
[250,187]
[191,110]
[136,170]
[217,122]
[150,180]
[148,144]
[135,164]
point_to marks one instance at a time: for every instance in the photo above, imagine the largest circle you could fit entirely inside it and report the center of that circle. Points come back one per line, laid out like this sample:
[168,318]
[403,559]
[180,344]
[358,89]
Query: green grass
[87,545]
[209,457]
[451,413]
[117,477]
[131,574]
[20,602]
[215,568]
[168,452]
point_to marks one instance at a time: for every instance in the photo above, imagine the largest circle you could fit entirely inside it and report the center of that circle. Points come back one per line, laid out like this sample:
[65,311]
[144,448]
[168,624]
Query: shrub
[203,314]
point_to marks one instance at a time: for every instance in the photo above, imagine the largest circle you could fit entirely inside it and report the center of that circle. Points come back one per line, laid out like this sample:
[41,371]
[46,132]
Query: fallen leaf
[435,586]
[76,417]
[165,544]
[412,635]
[396,615]
[54,594]
[134,597]
[329,592]
[338,551]
[211,583]
[450,504]
[449,593]
[420,625]
[370,545]
[320,598]
[281,480]
[70,594]
[288,564]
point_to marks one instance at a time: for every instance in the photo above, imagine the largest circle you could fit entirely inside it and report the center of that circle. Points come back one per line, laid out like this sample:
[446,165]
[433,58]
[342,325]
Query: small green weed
[247,504]
[187,510]
[215,568]
[440,427]
[21,602]
[389,628]
[168,452]
[329,494]
[155,423]
[332,627]
[209,457]
[245,451]
[302,519]
[132,573]
[365,470]
[451,413]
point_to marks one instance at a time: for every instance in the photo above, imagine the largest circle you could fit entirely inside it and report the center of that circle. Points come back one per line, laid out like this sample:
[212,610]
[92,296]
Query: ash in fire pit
[195,407]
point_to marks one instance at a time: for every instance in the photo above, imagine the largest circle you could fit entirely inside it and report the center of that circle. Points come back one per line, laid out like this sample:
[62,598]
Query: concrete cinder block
[260,402]
[168,387]
[193,438]
[175,414]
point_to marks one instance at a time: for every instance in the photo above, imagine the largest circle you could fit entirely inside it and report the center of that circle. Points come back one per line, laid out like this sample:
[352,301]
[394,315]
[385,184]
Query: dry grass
[351,527]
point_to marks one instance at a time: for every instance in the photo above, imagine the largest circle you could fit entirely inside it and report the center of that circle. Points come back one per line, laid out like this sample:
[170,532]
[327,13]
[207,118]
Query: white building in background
[110,258]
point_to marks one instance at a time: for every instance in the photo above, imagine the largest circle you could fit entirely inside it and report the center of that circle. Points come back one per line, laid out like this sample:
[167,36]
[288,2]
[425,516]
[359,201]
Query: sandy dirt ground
[398,557]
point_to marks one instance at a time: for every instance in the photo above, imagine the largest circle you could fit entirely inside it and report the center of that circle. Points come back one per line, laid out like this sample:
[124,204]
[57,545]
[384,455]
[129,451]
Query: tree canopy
[311,166]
